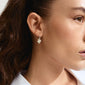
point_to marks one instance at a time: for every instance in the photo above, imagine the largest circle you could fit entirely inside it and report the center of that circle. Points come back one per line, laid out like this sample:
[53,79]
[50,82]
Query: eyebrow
[79,8]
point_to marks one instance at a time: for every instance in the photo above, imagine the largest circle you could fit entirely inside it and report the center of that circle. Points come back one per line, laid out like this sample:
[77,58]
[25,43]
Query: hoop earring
[39,40]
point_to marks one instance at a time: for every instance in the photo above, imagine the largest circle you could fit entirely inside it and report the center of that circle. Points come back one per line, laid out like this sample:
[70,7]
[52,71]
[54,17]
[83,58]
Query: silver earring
[39,40]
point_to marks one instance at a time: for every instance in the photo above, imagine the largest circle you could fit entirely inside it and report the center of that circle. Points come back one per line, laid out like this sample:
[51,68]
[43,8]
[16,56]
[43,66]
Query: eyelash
[79,19]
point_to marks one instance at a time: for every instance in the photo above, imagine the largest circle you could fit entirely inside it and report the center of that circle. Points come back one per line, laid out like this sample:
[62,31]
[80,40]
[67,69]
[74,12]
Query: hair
[15,37]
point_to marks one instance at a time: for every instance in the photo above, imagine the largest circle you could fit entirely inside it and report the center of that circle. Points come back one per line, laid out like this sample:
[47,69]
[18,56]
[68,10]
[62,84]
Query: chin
[79,67]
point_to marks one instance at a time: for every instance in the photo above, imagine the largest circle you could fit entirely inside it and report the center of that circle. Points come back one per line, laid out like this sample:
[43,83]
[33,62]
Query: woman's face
[64,33]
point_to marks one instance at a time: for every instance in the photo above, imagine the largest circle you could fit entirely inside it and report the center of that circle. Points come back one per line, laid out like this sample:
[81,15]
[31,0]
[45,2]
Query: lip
[82,54]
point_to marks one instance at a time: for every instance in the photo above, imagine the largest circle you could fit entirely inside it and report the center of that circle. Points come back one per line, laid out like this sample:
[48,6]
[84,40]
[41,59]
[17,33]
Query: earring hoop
[39,40]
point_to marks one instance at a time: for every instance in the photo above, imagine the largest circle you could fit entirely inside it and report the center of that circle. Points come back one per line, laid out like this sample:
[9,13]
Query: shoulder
[20,80]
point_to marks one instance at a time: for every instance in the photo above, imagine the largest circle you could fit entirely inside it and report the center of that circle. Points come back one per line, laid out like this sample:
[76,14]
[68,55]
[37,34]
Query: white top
[20,80]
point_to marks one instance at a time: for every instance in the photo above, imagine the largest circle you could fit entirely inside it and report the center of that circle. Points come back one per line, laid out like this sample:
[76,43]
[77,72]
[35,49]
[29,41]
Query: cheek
[67,33]
[63,40]
[62,33]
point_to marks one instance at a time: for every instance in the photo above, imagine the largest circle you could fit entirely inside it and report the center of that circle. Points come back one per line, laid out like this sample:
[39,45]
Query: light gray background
[2,5]
[79,74]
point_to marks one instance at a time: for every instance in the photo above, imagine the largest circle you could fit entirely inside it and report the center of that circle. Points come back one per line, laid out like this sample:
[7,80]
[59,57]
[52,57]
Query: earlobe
[34,22]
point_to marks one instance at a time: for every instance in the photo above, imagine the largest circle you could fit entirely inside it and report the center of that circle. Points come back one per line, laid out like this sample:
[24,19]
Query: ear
[35,23]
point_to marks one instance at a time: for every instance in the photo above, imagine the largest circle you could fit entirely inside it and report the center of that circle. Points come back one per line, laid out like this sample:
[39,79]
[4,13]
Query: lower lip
[82,55]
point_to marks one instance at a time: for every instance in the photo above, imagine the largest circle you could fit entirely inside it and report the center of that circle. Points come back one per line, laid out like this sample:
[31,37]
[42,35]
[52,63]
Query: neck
[44,71]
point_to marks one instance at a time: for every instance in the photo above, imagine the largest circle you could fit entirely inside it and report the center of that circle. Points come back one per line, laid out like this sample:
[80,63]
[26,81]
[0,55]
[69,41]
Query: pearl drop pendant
[39,40]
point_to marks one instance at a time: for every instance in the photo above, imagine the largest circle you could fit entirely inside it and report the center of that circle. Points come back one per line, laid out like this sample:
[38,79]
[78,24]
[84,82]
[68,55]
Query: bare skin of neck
[43,71]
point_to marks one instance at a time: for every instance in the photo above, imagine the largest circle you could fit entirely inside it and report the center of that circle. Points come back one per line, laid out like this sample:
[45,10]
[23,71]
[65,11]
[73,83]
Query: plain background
[80,74]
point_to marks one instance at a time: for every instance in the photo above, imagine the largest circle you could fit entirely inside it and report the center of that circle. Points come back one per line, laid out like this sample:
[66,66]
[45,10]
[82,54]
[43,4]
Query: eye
[79,19]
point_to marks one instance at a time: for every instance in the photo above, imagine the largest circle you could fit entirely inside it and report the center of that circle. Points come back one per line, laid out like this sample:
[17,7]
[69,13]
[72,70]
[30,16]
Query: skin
[63,36]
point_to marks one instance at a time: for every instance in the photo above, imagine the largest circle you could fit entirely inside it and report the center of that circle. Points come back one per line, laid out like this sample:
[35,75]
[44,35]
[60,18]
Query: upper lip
[82,51]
